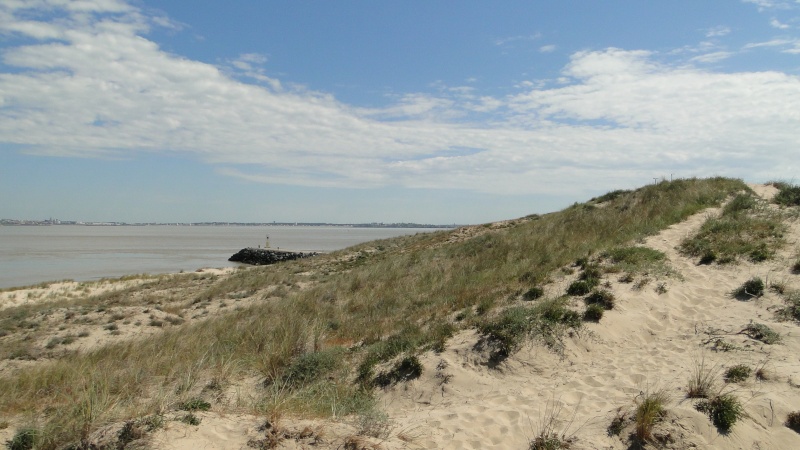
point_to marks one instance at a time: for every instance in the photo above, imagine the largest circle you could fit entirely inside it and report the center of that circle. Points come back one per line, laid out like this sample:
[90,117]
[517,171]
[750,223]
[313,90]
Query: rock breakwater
[265,256]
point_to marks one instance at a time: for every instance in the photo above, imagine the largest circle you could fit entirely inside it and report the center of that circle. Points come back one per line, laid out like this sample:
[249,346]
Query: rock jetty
[265,256]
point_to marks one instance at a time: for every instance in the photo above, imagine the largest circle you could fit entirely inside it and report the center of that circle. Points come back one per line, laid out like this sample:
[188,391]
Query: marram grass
[399,292]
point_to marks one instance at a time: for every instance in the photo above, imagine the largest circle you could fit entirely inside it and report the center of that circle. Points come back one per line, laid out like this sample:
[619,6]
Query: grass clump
[792,309]
[533,293]
[546,321]
[408,368]
[788,195]
[195,404]
[593,313]
[737,373]
[744,229]
[702,380]
[650,410]
[634,259]
[24,439]
[793,421]
[724,411]
[752,288]
[761,332]
[602,298]
[309,367]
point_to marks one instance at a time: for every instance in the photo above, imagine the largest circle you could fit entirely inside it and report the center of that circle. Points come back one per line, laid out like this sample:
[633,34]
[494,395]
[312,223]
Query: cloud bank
[83,80]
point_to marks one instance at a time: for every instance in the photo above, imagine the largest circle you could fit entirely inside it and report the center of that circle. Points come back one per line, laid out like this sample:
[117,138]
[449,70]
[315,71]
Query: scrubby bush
[601,297]
[762,333]
[24,439]
[311,366]
[788,195]
[723,410]
[533,293]
[793,421]
[195,404]
[408,368]
[593,313]
[754,287]
[737,373]
[581,287]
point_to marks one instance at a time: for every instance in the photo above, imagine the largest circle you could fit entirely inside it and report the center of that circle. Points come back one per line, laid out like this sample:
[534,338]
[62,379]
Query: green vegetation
[702,381]
[752,288]
[745,228]
[761,332]
[793,421]
[602,298]
[651,409]
[792,309]
[397,297]
[737,373]
[788,194]
[724,411]
[593,313]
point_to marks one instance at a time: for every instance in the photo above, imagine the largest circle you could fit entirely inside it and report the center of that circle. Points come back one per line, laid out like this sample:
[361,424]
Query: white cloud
[717,31]
[547,48]
[95,85]
[775,23]
[712,57]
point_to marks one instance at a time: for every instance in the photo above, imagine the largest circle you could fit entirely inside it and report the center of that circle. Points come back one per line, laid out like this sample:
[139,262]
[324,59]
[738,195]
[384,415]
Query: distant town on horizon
[50,222]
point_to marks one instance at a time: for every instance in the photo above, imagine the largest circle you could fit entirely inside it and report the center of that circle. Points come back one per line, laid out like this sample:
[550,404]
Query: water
[34,254]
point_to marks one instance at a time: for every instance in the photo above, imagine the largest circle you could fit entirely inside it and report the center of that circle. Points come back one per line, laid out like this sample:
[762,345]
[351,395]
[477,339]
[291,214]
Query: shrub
[650,410]
[581,287]
[195,404]
[311,366]
[723,410]
[788,195]
[593,313]
[739,204]
[408,368]
[190,419]
[533,293]
[793,421]
[601,297]
[737,373]
[792,309]
[24,439]
[754,287]
[763,333]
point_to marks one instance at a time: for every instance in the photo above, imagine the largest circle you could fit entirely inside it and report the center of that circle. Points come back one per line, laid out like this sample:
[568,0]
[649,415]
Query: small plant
[195,404]
[650,410]
[408,368]
[311,366]
[761,332]
[24,439]
[190,419]
[701,383]
[737,373]
[793,421]
[796,266]
[661,288]
[547,438]
[788,195]
[593,313]
[581,287]
[751,288]
[601,297]
[617,424]
[373,423]
[533,293]
[724,411]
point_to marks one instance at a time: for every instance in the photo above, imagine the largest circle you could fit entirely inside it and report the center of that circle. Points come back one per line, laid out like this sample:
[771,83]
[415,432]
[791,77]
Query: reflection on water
[30,254]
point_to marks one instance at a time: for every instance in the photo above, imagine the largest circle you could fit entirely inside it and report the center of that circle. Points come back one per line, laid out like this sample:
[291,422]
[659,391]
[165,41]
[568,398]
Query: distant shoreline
[40,223]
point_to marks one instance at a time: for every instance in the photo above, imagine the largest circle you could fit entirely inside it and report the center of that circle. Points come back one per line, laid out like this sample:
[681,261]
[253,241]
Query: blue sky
[353,111]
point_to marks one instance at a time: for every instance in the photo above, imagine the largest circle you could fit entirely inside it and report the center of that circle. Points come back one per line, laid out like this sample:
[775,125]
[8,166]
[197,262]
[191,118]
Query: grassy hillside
[315,336]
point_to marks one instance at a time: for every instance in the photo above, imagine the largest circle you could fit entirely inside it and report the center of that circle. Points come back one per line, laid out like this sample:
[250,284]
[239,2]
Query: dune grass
[746,228]
[396,296]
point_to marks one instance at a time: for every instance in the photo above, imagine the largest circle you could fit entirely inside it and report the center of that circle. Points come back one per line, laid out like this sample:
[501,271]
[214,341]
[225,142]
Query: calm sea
[33,254]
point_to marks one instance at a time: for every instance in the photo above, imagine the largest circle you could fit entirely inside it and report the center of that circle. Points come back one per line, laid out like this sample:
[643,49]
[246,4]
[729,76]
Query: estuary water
[34,254]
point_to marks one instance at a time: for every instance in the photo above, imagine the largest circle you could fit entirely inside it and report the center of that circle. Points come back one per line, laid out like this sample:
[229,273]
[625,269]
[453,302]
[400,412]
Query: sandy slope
[650,341]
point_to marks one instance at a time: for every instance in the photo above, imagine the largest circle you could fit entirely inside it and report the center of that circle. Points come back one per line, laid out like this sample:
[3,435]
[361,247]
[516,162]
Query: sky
[389,111]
